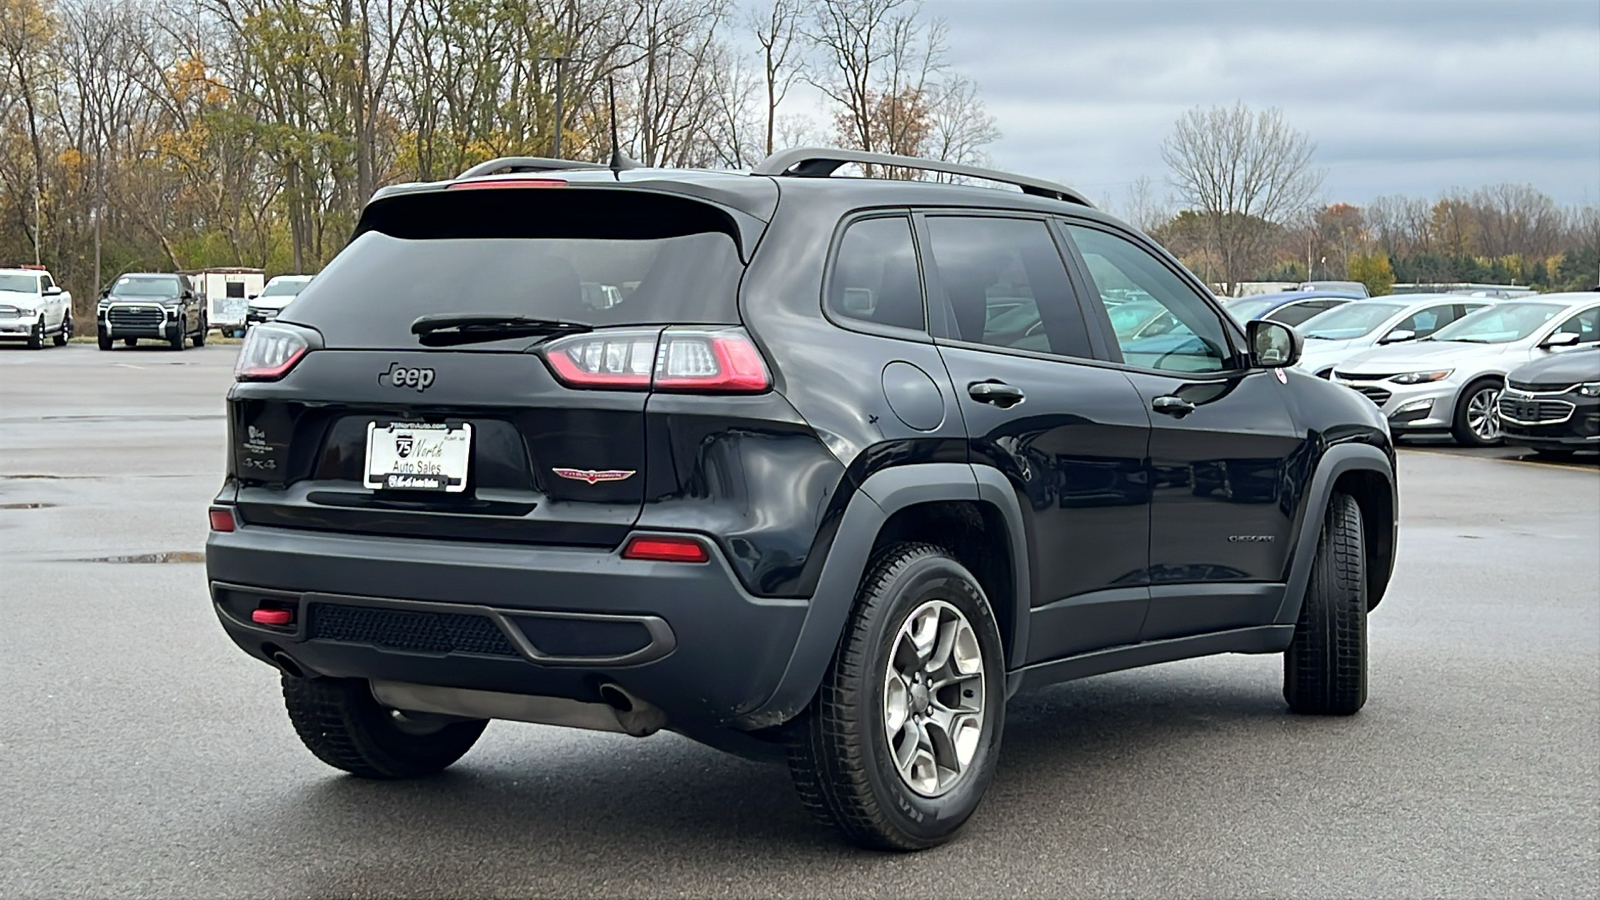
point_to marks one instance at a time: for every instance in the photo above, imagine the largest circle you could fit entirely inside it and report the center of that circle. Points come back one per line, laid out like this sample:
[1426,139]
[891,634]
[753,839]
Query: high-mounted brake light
[488,184]
[666,549]
[269,352]
[676,359]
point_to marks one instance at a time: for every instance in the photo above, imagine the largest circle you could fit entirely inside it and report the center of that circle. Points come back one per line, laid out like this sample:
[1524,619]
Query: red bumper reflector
[221,518]
[272,616]
[666,549]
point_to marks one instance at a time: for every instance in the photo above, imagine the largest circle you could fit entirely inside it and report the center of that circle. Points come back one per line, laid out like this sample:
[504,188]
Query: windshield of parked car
[22,284]
[282,287]
[1502,323]
[1350,321]
[152,286]
[1128,319]
[1247,309]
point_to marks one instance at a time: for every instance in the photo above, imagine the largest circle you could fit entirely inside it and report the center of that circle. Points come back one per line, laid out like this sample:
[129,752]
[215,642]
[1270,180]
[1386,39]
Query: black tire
[176,341]
[1460,428]
[36,335]
[1325,667]
[65,334]
[200,336]
[103,341]
[344,726]
[840,756]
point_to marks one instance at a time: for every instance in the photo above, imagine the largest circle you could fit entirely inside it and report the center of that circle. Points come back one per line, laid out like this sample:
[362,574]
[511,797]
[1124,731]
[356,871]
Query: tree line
[181,134]
[1250,209]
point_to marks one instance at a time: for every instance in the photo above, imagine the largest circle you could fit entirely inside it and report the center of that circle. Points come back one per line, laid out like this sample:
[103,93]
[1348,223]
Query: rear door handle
[1172,406]
[997,392]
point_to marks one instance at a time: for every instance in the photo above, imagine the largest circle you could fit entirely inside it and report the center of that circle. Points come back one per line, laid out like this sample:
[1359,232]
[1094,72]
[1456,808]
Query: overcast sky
[1401,96]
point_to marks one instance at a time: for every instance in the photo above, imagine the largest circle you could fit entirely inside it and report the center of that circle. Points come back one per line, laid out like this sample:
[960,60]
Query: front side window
[1191,338]
[1005,285]
[1425,322]
[875,276]
[1586,325]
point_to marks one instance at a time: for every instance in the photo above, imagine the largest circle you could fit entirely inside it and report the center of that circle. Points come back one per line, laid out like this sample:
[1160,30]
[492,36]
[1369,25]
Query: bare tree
[777,33]
[1140,207]
[1243,171]
[961,127]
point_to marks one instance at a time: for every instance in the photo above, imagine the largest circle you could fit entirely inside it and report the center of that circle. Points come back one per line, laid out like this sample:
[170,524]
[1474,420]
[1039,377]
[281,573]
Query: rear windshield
[595,257]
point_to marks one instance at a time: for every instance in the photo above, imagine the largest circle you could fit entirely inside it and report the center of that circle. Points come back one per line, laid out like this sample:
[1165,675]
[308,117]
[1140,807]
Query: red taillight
[608,359]
[666,549]
[506,183]
[265,616]
[269,352]
[674,359]
[723,361]
[221,518]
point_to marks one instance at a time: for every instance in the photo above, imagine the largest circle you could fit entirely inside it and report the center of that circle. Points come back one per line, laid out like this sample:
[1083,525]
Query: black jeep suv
[795,465]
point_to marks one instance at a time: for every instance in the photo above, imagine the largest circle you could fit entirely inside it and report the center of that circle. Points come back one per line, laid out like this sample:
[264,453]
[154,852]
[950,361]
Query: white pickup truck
[33,307]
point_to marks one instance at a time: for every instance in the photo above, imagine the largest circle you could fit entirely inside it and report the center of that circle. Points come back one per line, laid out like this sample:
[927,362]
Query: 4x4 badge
[594,476]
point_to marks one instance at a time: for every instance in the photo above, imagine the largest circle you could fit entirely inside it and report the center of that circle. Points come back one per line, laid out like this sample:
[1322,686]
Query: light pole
[561,60]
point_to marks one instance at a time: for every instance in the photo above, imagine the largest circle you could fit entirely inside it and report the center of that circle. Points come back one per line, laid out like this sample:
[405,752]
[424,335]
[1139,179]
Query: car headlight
[1589,389]
[1422,377]
[23,312]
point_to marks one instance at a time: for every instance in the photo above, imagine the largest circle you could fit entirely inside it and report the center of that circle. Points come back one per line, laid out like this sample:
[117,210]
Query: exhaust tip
[616,698]
[285,662]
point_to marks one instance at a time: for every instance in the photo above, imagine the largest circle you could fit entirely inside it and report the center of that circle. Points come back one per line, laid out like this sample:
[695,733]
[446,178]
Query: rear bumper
[538,621]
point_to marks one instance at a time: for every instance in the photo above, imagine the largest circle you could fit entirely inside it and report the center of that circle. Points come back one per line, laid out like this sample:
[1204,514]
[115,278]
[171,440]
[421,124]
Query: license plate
[417,456]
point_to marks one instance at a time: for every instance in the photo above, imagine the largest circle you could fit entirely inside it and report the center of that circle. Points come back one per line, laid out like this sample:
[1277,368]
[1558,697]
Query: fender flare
[882,495]
[1336,461]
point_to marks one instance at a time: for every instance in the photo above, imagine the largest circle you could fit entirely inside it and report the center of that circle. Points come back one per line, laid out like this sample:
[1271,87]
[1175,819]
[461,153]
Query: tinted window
[45,283]
[1004,284]
[591,256]
[875,277]
[1193,338]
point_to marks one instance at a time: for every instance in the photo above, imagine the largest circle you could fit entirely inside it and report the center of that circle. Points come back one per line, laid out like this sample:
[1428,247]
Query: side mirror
[1273,345]
[105,293]
[53,290]
[252,296]
[1398,335]
[1559,339]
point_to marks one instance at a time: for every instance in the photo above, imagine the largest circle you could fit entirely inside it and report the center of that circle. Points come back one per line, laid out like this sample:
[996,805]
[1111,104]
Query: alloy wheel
[933,698]
[1483,414]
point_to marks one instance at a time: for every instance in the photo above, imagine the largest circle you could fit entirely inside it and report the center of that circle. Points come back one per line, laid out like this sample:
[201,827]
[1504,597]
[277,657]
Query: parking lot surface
[141,754]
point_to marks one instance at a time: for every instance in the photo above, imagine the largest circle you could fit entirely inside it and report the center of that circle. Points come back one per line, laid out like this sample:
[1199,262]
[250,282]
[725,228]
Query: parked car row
[1479,368]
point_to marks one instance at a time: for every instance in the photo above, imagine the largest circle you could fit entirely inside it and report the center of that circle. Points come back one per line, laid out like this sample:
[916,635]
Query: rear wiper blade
[447,330]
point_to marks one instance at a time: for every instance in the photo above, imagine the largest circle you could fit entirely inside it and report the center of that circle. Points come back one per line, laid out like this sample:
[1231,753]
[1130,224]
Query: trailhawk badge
[595,476]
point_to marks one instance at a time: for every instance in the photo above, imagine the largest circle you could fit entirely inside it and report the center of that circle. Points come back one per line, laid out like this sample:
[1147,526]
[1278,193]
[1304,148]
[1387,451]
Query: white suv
[33,307]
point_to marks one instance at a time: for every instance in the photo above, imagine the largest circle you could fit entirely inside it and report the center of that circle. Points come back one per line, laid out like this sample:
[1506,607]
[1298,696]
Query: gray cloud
[1401,96]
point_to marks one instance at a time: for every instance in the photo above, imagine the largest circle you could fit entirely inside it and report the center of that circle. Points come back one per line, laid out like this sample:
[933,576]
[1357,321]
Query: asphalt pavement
[142,755]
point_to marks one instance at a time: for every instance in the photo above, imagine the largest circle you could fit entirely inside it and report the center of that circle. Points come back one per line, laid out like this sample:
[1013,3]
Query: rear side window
[598,257]
[1004,284]
[875,276]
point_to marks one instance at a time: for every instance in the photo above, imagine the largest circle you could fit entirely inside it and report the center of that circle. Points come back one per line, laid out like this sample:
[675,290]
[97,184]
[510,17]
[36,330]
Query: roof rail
[820,162]
[525,164]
